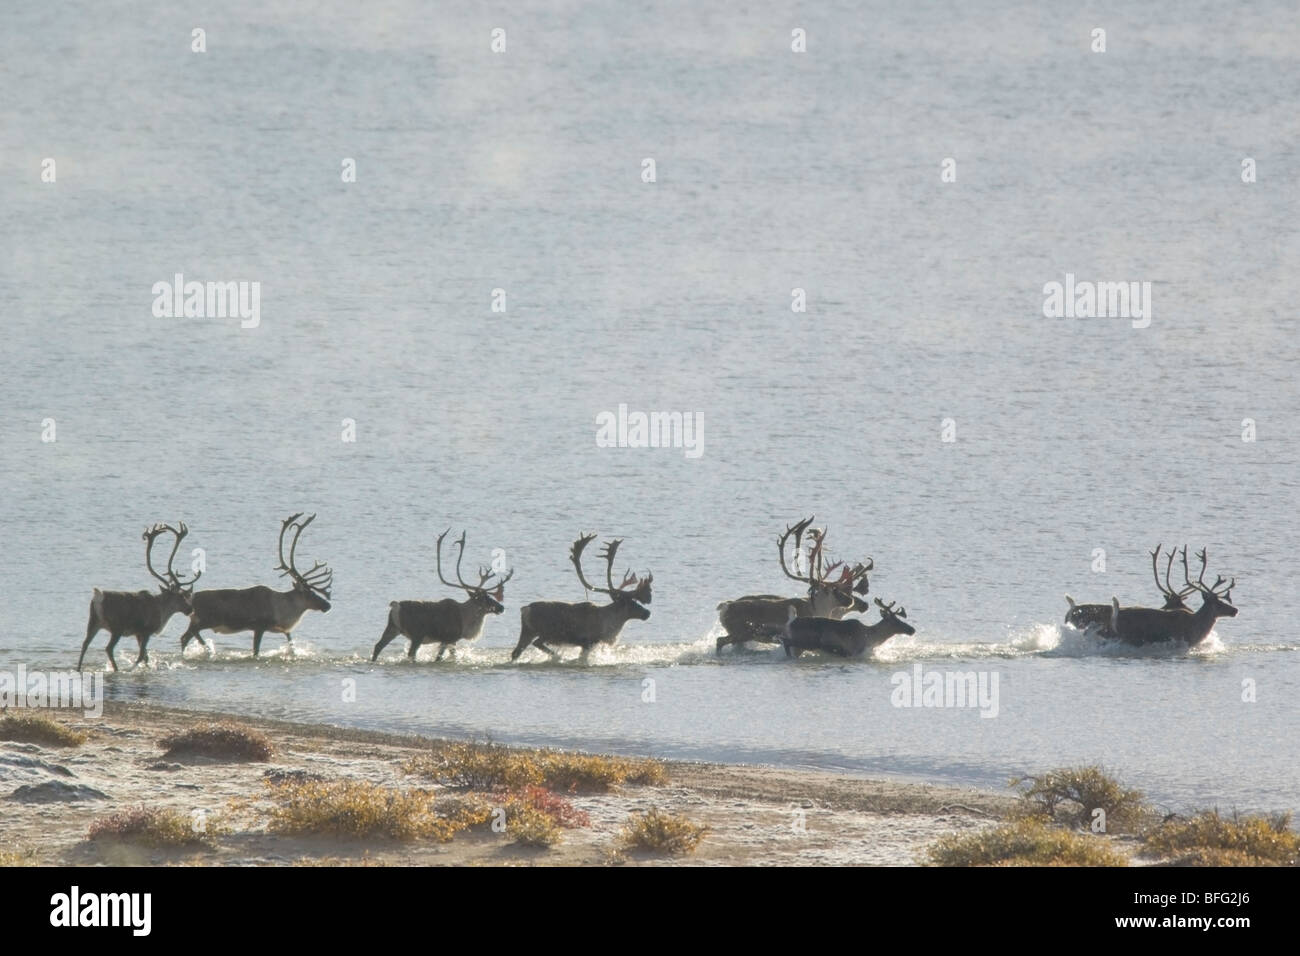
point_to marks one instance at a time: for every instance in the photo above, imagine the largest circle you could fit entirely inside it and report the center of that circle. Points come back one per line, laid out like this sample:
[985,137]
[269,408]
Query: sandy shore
[750,811]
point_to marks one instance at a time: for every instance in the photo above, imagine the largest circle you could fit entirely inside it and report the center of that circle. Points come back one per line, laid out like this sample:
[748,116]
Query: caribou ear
[500,592]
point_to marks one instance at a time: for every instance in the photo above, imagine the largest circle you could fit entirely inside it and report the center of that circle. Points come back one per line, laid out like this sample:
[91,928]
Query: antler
[1200,579]
[608,552]
[575,555]
[797,530]
[858,579]
[816,572]
[438,558]
[1155,571]
[500,583]
[888,609]
[171,580]
[483,575]
[641,591]
[1168,566]
[319,577]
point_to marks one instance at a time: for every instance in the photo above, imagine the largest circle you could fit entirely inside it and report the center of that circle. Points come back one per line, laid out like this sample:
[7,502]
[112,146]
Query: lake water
[522,171]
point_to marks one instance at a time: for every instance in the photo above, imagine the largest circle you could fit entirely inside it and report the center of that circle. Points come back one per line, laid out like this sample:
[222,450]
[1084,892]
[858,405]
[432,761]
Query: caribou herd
[816,620]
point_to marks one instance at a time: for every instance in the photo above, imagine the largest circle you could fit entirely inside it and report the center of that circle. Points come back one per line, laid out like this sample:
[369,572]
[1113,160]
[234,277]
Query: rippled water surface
[775,171]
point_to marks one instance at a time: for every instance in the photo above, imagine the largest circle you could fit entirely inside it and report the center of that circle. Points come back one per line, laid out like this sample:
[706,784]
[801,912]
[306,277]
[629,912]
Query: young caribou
[758,617]
[140,614]
[849,638]
[447,621]
[259,609]
[585,625]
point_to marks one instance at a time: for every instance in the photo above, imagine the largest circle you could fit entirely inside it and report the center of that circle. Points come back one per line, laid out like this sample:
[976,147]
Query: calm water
[522,171]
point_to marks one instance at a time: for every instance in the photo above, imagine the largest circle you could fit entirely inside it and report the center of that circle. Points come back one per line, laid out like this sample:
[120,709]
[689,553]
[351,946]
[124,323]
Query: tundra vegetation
[1055,825]
[154,827]
[219,741]
[658,831]
[39,729]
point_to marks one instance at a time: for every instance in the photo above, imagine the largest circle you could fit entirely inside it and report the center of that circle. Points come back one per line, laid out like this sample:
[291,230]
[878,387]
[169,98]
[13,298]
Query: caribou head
[632,593]
[487,598]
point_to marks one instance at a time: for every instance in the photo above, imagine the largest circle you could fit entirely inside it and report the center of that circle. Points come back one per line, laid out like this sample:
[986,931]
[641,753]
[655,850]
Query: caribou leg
[257,643]
[91,630]
[191,631]
[542,647]
[390,632]
[442,649]
[112,643]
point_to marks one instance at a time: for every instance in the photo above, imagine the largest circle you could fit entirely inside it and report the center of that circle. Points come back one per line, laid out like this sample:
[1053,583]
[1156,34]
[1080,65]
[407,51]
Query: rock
[279,775]
[56,791]
[13,765]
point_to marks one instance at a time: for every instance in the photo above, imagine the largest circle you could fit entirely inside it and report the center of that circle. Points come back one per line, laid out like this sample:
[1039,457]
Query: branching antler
[887,610]
[575,555]
[497,588]
[798,531]
[634,587]
[170,580]
[319,577]
[1200,584]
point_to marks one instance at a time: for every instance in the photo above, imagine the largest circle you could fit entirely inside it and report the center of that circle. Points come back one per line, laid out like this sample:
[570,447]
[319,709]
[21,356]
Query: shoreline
[756,815]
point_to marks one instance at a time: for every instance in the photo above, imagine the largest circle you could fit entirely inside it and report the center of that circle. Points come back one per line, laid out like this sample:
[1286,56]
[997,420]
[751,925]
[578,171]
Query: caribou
[447,621]
[141,614]
[585,625]
[1145,625]
[1098,615]
[759,617]
[260,609]
[849,638]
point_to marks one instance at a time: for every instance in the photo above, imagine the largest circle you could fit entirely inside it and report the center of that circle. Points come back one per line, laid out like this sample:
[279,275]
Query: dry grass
[658,831]
[355,809]
[1025,842]
[21,857]
[464,811]
[493,767]
[220,741]
[333,861]
[533,816]
[39,729]
[531,827]
[153,827]
[1209,839]
[1071,795]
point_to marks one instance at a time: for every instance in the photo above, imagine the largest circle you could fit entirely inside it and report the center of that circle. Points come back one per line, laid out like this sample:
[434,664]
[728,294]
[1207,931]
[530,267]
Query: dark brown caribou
[260,609]
[1098,615]
[447,621]
[761,617]
[847,638]
[141,614]
[585,625]
[1144,625]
